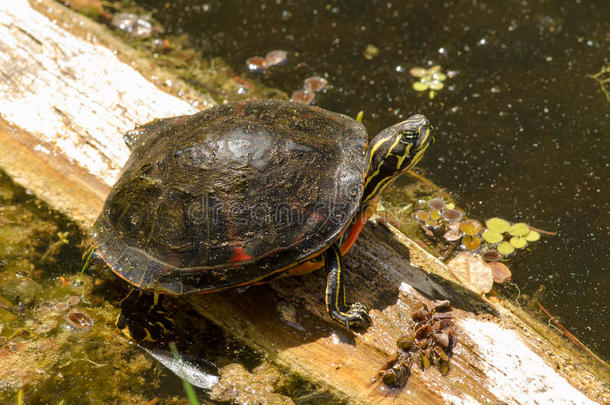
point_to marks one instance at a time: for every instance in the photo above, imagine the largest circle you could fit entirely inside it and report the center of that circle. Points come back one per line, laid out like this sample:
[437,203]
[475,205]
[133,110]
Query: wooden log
[65,102]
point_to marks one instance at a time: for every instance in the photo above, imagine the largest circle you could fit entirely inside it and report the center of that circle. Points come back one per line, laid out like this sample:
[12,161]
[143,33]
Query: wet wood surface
[61,136]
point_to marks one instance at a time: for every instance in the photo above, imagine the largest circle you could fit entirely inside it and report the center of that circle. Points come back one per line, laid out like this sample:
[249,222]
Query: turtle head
[393,151]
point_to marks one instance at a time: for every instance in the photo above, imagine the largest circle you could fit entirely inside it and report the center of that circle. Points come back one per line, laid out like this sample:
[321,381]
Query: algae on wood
[65,144]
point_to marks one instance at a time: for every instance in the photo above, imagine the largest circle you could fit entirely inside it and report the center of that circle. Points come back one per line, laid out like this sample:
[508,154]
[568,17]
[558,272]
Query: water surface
[523,133]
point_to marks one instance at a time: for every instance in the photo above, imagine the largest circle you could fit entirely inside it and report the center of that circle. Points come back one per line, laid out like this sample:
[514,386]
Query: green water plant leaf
[420,86]
[532,236]
[518,242]
[505,248]
[491,236]
[519,229]
[498,225]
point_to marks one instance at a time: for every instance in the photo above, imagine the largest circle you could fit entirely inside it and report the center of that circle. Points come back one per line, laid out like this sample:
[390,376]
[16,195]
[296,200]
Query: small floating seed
[491,255]
[437,204]
[73,300]
[257,64]
[315,83]
[303,97]
[61,307]
[452,215]
[422,215]
[276,58]
[80,320]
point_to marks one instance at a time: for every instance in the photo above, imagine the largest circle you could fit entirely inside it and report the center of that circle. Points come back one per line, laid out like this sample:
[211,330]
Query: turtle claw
[356,317]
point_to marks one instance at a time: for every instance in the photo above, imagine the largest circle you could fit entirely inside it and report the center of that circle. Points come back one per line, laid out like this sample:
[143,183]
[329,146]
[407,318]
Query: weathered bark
[65,101]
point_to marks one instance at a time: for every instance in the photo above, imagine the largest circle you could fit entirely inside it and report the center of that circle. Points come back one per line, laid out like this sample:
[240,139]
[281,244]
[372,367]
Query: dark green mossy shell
[229,195]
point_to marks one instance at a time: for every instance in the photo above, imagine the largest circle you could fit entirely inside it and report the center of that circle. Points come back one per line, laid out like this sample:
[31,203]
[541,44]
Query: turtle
[243,193]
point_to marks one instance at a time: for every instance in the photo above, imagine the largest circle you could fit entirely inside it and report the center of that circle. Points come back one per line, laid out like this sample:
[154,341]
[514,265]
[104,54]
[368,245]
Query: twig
[572,337]
[542,231]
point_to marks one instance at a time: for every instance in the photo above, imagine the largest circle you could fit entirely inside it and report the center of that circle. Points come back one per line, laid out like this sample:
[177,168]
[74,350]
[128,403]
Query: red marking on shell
[239,255]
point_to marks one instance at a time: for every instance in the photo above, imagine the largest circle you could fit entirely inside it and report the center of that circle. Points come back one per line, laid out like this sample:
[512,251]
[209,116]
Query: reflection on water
[522,132]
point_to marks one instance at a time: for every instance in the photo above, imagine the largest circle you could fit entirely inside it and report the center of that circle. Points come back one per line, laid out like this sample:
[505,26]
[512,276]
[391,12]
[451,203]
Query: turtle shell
[230,195]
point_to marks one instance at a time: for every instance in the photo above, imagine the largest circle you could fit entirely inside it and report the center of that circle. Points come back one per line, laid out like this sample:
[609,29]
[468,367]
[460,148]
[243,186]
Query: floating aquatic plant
[311,86]
[489,243]
[262,64]
[429,79]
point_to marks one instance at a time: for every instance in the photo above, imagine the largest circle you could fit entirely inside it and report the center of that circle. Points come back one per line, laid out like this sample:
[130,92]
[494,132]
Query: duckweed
[532,236]
[518,242]
[498,225]
[519,229]
[492,236]
[505,248]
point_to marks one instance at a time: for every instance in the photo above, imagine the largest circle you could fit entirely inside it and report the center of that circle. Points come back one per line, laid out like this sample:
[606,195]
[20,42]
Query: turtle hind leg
[352,315]
[143,316]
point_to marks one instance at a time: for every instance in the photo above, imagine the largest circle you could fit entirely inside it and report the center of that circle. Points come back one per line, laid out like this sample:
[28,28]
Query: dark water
[523,133]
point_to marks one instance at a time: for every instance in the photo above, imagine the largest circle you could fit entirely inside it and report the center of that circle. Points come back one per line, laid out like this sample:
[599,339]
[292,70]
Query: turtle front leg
[143,316]
[353,315]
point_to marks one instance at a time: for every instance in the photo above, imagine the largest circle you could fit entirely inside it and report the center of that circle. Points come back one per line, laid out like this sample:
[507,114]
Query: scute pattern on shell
[230,194]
